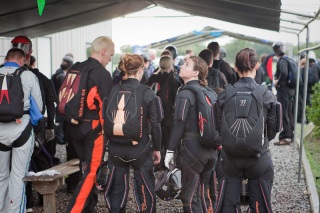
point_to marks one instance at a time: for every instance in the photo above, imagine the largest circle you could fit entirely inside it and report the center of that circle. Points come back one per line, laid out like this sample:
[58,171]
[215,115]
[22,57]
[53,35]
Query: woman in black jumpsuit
[197,167]
[233,168]
[141,156]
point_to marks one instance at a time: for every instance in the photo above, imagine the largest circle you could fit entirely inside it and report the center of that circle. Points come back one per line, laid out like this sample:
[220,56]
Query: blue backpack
[292,73]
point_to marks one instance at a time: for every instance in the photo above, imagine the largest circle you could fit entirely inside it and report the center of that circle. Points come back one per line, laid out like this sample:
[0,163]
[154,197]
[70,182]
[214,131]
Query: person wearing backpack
[16,134]
[193,130]
[285,93]
[43,154]
[220,64]
[129,110]
[247,121]
[168,87]
[313,76]
[216,79]
[80,102]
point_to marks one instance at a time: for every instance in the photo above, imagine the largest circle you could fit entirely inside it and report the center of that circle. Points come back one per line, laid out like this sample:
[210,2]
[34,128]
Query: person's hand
[156,157]
[49,134]
[169,158]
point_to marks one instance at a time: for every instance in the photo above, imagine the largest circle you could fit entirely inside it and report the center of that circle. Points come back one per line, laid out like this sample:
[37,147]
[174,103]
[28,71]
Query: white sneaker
[29,210]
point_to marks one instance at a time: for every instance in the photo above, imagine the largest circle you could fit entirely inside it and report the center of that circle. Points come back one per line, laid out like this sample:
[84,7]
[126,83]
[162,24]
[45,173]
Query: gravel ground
[287,194]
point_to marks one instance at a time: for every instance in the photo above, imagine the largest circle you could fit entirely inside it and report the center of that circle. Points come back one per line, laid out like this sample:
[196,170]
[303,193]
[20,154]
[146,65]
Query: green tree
[236,45]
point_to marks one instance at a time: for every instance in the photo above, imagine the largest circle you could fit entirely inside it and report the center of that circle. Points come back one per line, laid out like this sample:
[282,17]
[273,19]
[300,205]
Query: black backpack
[124,112]
[11,96]
[213,78]
[205,101]
[313,75]
[292,73]
[73,93]
[242,128]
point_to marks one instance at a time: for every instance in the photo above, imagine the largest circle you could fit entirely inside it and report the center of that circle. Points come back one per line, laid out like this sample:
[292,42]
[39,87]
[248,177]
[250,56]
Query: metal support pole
[305,87]
[297,96]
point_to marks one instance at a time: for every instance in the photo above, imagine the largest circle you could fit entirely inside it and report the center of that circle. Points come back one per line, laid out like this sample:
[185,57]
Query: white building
[50,49]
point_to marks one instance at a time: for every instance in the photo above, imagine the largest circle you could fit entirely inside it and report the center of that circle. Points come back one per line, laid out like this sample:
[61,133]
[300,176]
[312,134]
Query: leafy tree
[314,111]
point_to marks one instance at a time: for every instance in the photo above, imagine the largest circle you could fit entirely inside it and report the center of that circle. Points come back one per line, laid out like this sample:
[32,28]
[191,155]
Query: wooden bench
[47,185]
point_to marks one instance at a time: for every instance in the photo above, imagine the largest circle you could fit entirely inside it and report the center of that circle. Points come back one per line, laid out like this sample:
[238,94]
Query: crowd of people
[147,118]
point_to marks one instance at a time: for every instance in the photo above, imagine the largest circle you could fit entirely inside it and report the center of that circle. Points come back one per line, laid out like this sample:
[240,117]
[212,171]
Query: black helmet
[102,176]
[169,185]
[223,53]
[173,50]
[278,48]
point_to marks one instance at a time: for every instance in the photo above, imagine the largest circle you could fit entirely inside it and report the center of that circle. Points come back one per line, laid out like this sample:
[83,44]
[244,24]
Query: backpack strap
[230,91]
[259,92]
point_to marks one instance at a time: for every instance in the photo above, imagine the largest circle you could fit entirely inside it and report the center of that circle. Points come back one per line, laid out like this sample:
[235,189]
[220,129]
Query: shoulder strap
[259,92]
[230,91]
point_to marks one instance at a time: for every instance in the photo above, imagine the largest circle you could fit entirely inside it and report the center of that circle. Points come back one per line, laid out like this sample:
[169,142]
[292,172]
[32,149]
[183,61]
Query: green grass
[312,148]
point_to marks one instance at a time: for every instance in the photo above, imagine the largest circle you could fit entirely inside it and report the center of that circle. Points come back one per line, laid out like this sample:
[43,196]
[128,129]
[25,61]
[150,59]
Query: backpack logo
[201,123]
[242,102]
[67,95]
[119,118]
[4,90]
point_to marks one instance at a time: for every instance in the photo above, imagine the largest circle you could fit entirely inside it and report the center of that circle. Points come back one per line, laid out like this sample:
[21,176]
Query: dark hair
[15,54]
[32,60]
[214,47]
[246,60]
[173,51]
[201,66]
[130,64]
[166,52]
[206,55]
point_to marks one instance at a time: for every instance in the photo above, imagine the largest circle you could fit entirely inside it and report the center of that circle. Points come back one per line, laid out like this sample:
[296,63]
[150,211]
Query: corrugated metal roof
[21,17]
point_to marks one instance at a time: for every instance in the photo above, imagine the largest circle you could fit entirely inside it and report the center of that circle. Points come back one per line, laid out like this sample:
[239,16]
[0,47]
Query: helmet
[23,43]
[169,185]
[278,48]
[102,176]
[173,50]
[223,53]
[312,56]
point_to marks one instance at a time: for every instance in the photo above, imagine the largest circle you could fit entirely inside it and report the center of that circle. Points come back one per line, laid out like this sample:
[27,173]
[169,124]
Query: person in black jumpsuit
[124,153]
[198,167]
[232,169]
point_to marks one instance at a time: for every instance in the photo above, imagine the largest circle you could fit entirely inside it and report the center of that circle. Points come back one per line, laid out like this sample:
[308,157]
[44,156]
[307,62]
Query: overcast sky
[156,24]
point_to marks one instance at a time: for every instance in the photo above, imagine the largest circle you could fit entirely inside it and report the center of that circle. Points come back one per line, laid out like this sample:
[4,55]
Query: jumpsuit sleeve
[31,86]
[51,98]
[154,115]
[100,84]
[271,116]
[181,111]
[282,70]
[219,110]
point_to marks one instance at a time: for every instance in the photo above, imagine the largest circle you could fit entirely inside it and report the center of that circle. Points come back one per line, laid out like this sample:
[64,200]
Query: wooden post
[48,190]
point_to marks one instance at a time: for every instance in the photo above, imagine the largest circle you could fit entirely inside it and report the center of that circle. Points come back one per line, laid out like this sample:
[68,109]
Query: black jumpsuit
[285,96]
[232,169]
[122,155]
[196,161]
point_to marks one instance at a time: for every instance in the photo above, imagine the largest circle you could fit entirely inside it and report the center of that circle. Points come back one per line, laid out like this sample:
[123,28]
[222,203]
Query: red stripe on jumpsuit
[97,154]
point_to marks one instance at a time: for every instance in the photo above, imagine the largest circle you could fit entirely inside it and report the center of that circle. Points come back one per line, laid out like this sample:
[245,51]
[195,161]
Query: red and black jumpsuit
[195,160]
[87,137]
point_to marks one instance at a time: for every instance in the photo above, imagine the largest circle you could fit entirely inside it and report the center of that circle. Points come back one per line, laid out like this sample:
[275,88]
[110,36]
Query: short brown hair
[214,47]
[246,60]
[15,54]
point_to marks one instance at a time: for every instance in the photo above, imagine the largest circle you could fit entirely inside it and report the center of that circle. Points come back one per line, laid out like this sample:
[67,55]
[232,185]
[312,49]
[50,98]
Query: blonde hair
[166,63]
[100,43]
[130,64]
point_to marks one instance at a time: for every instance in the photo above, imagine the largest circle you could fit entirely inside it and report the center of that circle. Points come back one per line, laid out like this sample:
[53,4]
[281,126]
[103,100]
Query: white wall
[49,50]
[76,41]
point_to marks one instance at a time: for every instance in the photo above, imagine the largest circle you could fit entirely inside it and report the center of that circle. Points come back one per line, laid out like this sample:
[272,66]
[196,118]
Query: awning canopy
[203,35]
[21,17]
